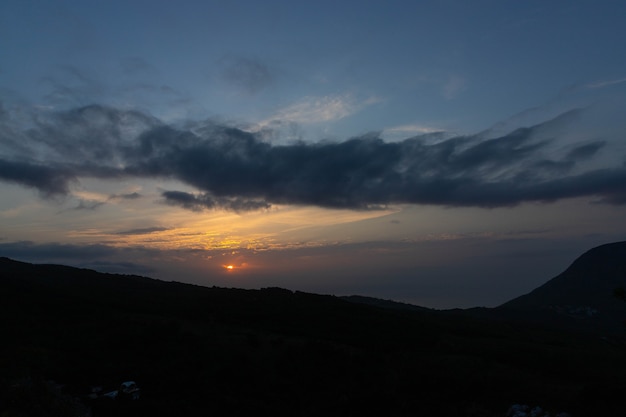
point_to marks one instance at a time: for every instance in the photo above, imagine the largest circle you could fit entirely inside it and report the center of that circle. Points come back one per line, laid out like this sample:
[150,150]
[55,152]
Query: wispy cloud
[88,204]
[412,129]
[453,86]
[125,196]
[246,74]
[313,109]
[142,231]
[403,131]
[606,83]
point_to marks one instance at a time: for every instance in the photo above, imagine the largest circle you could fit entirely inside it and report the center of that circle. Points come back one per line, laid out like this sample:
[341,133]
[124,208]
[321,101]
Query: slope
[584,291]
[199,351]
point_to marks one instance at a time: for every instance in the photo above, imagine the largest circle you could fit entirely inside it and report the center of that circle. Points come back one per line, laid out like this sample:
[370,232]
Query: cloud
[414,129]
[202,201]
[453,86]
[55,251]
[133,65]
[426,134]
[142,231]
[249,75]
[88,204]
[605,83]
[318,109]
[72,86]
[237,170]
[586,151]
[127,196]
[49,180]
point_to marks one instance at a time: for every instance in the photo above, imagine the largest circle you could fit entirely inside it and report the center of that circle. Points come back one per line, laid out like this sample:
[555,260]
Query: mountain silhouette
[197,350]
[584,291]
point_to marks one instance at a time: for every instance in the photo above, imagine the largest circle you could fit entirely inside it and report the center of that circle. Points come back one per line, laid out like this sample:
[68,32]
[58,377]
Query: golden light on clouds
[102,216]
[280,228]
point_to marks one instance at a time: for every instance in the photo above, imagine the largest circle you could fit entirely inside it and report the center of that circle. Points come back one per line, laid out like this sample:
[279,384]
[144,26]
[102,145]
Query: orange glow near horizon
[163,227]
[229,267]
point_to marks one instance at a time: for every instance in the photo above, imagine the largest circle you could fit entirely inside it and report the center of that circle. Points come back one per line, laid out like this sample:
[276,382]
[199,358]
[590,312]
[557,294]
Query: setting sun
[229,267]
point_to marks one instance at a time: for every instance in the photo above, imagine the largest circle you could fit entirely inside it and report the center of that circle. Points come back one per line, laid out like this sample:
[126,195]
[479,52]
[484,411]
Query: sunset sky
[442,153]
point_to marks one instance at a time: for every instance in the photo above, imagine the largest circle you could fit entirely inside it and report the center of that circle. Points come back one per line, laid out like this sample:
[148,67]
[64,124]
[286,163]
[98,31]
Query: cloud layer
[238,170]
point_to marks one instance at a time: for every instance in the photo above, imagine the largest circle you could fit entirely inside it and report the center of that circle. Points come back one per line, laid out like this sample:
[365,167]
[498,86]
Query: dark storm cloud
[199,202]
[94,135]
[49,180]
[236,170]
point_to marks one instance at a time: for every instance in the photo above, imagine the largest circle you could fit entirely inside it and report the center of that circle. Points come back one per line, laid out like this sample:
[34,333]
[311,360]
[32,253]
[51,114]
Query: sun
[229,267]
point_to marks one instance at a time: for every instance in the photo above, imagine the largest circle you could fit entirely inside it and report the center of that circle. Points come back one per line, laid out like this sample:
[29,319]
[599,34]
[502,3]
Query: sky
[448,154]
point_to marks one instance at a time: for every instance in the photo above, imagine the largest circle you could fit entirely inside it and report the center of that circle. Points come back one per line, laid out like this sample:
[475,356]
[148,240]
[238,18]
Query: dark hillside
[584,292]
[200,351]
